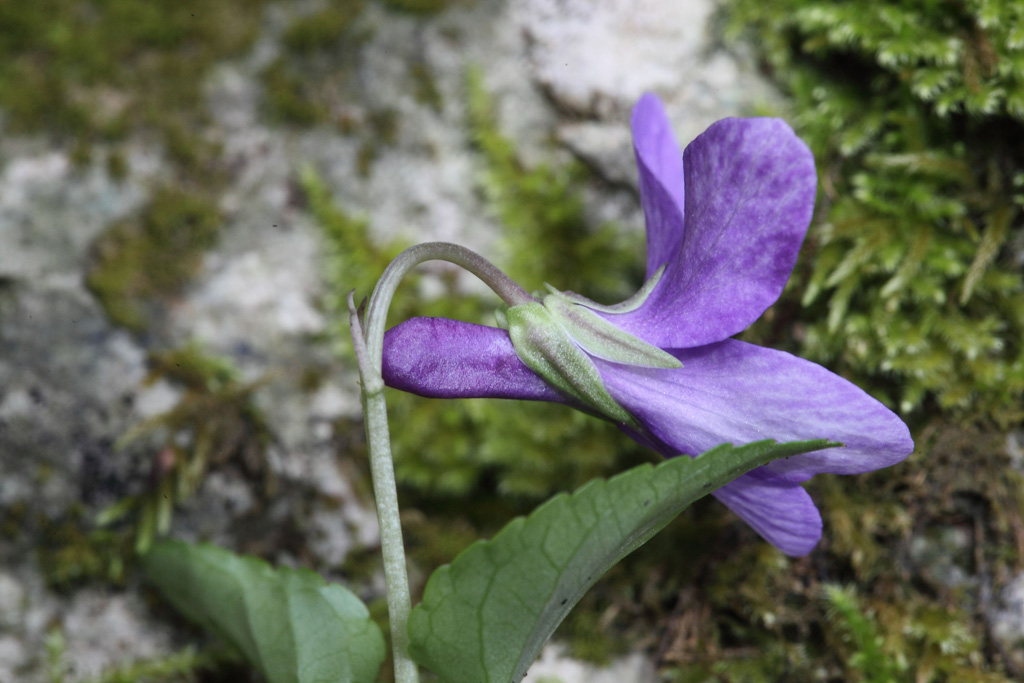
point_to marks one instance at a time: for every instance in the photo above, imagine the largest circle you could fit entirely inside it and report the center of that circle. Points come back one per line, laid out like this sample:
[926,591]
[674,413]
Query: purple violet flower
[725,221]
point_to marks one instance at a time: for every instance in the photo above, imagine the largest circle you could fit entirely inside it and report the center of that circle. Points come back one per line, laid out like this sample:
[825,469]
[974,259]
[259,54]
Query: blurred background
[189,189]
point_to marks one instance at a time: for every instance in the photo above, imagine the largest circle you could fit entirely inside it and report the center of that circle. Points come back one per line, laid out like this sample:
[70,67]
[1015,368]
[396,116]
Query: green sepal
[600,338]
[557,336]
[628,306]
[545,346]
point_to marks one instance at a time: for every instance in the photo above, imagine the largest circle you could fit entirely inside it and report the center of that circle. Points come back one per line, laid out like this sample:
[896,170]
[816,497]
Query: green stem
[369,356]
[380,300]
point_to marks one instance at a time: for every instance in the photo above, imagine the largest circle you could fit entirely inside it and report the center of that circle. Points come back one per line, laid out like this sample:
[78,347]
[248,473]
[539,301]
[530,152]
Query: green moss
[365,157]
[916,641]
[868,657]
[352,260]
[144,260]
[892,620]
[383,125]
[321,30]
[288,98]
[81,154]
[436,540]
[196,160]
[590,639]
[425,86]
[420,7]
[380,129]
[308,84]
[182,666]
[117,166]
[909,282]
[525,450]
[12,520]
[89,69]
[214,423]
[193,367]
[72,553]
[908,285]
[56,650]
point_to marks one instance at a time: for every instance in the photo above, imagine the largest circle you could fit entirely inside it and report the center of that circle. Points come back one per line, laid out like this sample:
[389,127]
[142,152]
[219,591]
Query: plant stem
[369,349]
[376,310]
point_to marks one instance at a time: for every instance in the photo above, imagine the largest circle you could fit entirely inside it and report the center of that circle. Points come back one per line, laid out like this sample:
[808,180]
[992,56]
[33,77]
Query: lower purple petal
[737,392]
[442,358]
[783,514]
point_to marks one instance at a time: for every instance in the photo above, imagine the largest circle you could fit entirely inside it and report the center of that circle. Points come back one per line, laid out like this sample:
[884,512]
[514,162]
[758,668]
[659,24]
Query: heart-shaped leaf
[485,617]
[289,623]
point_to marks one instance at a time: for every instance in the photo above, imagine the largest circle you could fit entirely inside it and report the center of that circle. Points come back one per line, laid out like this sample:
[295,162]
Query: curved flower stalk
[725,221]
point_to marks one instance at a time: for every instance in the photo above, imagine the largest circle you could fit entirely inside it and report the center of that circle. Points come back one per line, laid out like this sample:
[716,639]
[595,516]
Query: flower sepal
[628,306]
[602,339]
[544,344]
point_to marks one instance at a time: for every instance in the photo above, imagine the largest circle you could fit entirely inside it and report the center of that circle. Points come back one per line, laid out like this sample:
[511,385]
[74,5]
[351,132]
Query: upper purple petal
[737,392]
[750,186]
[783,514]
[659,162]
[442,358]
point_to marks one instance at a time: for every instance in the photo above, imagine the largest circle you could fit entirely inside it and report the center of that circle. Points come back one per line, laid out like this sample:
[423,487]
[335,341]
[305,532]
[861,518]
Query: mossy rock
[95,68]
[321,30]
[144,261]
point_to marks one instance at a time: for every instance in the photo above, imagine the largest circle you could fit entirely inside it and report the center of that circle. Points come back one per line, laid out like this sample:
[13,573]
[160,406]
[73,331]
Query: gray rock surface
[1007,621]
[554,665]
[595,59]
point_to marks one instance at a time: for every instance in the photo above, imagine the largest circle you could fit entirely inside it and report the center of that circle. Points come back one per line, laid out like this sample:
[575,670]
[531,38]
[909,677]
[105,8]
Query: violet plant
[725,220]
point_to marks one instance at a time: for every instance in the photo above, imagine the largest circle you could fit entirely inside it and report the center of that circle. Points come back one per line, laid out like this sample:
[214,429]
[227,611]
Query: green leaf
[289,623]
[485,617]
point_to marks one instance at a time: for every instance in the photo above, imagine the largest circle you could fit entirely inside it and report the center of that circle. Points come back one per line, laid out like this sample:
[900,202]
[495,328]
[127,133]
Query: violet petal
[784,515]
[442,358]
[737,392]
[750,186]
[660,164]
